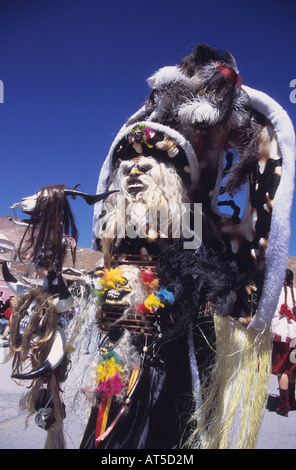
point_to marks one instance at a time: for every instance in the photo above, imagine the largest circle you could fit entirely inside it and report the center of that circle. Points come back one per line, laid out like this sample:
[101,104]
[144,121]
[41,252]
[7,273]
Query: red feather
[141,308]
[147,276]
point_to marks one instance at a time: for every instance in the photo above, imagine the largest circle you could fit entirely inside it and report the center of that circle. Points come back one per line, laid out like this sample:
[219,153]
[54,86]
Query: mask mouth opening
[135,186]
[115,297]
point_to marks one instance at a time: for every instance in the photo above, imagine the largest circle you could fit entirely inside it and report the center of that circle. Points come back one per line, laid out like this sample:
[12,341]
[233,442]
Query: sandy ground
[277,432]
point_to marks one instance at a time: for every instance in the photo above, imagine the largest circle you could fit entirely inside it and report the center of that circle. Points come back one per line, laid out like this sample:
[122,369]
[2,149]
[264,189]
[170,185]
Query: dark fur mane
[51,219]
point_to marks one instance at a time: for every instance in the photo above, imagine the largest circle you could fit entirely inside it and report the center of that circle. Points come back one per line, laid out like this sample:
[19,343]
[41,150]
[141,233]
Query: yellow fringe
[235,398]
[106,414]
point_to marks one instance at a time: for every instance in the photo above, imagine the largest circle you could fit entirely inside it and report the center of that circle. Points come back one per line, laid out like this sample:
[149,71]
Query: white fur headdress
[278,243]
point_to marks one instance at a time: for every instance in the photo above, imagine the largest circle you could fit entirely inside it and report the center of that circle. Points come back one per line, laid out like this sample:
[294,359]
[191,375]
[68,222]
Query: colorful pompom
[112,386]
[147,276]
[153,303]
[112,278]
[166,296]
[141,308]
[284,310]
[110,375]
[148,279]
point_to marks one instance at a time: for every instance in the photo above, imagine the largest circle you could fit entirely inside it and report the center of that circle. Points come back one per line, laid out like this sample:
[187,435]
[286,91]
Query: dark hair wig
[50,221]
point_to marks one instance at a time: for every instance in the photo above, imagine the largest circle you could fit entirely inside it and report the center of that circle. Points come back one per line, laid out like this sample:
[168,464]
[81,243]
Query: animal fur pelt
[33,325]
[202,98]
[37,334]
[50,220]
[200,277]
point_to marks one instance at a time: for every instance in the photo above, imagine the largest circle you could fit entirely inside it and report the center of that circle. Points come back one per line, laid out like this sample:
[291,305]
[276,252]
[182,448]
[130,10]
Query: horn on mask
[52,361]
[89,198]
[12,283]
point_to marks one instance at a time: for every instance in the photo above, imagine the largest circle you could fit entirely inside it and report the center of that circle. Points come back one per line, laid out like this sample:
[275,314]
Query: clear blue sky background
[74,70]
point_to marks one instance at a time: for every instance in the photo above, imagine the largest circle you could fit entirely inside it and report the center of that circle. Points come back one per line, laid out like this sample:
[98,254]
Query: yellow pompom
[153,303]
[112,278]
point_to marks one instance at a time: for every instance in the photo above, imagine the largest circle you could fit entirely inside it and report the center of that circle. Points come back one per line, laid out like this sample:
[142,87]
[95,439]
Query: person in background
[71,313]
[2,309]
[4,322]
[283,329]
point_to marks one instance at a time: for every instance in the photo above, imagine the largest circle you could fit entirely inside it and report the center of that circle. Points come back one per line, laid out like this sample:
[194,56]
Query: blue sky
[74,70]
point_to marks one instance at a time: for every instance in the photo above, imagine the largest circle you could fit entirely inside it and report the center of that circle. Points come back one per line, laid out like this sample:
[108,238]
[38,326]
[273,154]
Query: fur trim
[165,76]
[278,243]
[198,111]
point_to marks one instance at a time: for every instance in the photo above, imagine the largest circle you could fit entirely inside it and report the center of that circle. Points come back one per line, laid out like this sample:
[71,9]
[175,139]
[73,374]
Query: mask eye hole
[145,168]
[124,286]
[125,169]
